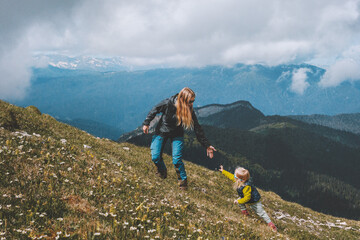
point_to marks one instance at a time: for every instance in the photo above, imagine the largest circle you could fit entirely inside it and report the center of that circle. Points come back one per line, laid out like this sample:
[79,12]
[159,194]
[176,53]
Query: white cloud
[15,72]
[299,83]
[342,70]
[181,33]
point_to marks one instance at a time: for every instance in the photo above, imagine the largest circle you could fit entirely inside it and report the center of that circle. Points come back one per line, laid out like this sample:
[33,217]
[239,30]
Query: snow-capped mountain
[81,62]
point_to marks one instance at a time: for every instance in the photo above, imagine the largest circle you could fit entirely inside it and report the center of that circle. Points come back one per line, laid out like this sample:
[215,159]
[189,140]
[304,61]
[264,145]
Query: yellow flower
[140,206]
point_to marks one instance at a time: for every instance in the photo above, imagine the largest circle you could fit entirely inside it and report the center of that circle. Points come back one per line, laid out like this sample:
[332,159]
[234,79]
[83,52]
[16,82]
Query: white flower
[59,219]
[63,141]
[97,234]
[69,169]
[18,196]
[132,228]
[86,146]
[126,148]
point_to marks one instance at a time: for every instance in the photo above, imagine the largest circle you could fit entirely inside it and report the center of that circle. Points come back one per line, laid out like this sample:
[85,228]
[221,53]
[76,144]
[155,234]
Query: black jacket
[167,125]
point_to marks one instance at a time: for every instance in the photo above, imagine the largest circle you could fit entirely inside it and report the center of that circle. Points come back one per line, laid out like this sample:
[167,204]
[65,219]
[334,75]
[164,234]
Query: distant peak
[215,108]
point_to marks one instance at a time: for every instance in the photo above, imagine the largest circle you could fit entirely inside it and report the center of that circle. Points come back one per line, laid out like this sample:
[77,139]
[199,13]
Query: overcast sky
[325,33]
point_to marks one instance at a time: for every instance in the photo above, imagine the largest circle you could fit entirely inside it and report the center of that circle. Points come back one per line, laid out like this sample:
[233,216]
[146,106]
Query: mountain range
[122,98]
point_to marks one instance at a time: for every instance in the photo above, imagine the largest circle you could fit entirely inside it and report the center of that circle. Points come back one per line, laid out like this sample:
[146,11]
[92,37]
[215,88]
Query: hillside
[345,122]
[59,182]
[301,162]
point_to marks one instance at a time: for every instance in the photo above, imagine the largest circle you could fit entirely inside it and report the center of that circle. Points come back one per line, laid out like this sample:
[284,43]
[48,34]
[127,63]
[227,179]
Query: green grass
[52,186]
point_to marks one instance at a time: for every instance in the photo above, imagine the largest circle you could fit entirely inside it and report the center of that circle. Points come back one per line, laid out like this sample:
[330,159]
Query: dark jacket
[248,193]
[167,125]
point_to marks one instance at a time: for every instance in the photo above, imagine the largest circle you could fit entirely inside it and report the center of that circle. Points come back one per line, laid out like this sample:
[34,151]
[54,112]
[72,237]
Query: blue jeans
[157,146]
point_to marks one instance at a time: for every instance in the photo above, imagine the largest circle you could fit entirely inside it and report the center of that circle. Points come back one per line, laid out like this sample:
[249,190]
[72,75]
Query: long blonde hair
[241,176]
[184,108]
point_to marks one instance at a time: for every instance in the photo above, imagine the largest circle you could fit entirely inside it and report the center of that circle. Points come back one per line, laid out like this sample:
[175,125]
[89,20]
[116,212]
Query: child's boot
[272,225]
[245,212]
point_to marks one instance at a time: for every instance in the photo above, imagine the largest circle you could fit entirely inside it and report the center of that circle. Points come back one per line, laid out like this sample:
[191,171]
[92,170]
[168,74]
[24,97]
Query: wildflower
[59,219]
[69,169]
[63,141]
[132,228]
[126,223]
[86,146]
[126,148]
[96,234]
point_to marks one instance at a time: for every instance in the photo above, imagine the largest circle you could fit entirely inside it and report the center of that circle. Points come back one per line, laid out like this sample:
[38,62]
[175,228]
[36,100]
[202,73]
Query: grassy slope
[52,187]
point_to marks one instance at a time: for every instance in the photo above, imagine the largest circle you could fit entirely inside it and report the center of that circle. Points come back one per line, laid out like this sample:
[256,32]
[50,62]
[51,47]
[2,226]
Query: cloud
[15,75]
[299,84]
[18,18]
[180,33]
[342,70]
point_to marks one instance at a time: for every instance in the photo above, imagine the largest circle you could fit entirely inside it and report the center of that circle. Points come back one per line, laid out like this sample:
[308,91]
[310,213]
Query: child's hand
[236,201]
[221,168]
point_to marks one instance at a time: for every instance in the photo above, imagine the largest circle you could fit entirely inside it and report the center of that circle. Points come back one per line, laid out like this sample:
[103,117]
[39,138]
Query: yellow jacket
[247,193]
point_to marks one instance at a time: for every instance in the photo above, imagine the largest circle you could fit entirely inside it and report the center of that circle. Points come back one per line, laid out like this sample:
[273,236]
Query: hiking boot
[177,170]
[273,227]
[183,184]
[161,174]
[245,212]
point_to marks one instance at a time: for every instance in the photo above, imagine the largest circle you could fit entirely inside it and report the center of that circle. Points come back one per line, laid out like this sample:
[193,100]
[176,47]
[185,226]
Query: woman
[177,114]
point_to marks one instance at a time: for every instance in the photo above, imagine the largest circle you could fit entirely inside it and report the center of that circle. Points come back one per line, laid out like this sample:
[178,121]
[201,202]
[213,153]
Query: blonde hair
[184,109]
[242,175]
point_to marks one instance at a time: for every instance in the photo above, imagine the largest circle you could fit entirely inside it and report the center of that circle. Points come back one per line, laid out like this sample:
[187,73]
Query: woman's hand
[210,151]
[221,168]
[146,129]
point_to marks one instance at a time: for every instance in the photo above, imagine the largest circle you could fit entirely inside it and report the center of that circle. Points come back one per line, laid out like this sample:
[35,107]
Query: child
[248,193]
